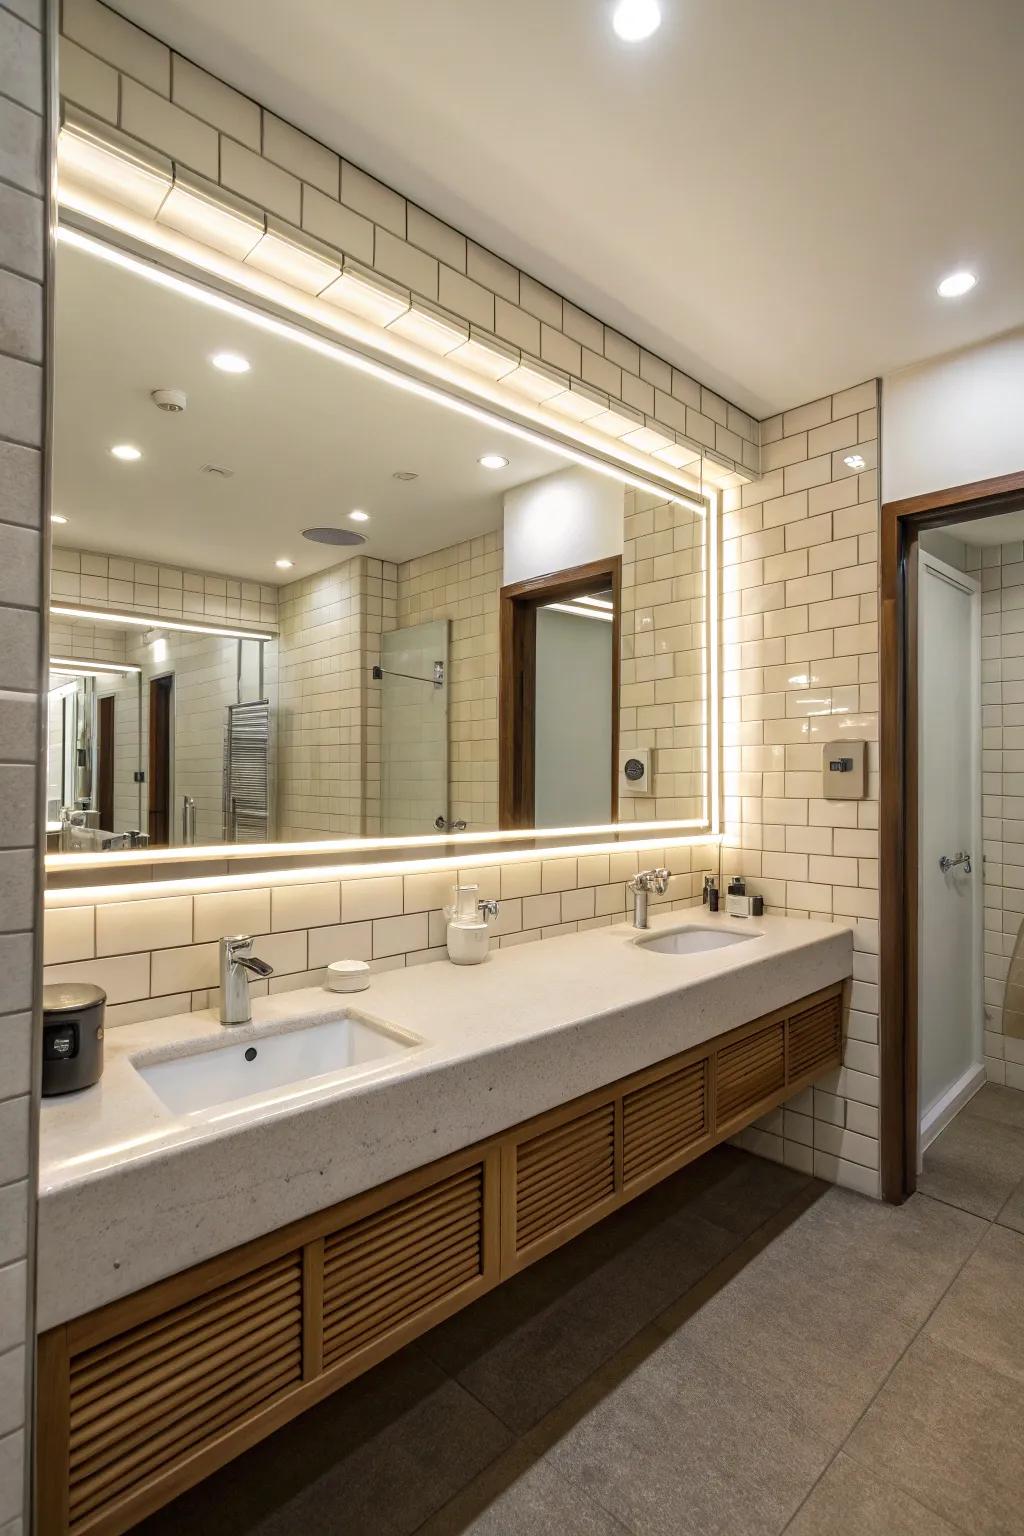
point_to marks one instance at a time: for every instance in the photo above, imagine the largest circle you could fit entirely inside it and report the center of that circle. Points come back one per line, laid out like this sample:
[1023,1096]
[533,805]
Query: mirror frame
[134,249]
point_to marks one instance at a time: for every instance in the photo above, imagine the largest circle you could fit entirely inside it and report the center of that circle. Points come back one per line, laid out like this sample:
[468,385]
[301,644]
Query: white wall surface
[573,753]
[564,519]
[956,419]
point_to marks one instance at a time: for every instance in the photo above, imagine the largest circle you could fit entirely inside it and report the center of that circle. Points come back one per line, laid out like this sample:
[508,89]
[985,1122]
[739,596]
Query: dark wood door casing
[517,664]
[901,524]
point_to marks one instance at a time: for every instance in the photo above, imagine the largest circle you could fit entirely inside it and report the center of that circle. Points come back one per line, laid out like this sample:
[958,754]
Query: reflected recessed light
[957,284]
[855,461]
[126,452]
[57,517]
[359,517]
[493,461]
[284,565]
[634,20]
[230,362]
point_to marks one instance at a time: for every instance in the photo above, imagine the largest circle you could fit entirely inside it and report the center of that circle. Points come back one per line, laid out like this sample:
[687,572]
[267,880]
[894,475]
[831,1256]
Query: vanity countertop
[131,1193]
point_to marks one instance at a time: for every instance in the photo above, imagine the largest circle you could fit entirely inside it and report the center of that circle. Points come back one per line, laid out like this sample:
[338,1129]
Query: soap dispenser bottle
[467,938]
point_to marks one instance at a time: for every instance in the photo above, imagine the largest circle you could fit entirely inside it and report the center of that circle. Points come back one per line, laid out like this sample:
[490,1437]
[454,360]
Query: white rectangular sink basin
[254,1066]
[693,941]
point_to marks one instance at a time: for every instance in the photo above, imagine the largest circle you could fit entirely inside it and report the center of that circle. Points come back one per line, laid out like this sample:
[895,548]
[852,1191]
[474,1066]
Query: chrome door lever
[948,862]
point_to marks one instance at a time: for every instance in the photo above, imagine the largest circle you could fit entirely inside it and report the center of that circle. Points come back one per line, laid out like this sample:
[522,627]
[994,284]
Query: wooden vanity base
[143,1398]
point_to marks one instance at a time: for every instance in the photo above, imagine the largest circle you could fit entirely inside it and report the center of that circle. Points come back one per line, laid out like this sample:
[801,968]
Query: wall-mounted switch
[844,770]
[635,771]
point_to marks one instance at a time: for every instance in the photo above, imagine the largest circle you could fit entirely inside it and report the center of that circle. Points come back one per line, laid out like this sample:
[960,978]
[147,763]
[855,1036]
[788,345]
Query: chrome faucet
[642,885]
[237,964]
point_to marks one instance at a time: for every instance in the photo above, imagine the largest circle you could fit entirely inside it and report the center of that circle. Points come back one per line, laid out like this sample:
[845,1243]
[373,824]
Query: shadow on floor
[385,1453]
[741,1352]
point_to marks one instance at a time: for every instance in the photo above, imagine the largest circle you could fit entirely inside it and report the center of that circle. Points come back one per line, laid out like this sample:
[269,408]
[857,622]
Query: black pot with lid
[72,1036]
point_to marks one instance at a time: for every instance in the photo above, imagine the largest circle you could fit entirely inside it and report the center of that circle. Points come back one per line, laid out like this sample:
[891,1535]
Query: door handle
[953,861]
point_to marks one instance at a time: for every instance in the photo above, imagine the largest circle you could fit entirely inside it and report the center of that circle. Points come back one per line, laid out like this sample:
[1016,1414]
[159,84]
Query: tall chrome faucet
[237,964]
[642,885]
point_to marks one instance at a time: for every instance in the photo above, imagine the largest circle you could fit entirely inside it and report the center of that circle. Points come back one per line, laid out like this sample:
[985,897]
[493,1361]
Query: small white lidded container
[347,976]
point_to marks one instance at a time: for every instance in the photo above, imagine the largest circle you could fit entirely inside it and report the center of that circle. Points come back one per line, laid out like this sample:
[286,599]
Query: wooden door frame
[161,686]
[517,652]
[106,708]
[902,523]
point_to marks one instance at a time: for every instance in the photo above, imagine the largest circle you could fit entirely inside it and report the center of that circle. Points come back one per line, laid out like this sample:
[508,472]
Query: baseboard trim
[950,1105]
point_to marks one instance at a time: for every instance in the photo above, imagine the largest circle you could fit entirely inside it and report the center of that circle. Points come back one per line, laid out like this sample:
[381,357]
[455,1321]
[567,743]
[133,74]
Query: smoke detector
[173,400]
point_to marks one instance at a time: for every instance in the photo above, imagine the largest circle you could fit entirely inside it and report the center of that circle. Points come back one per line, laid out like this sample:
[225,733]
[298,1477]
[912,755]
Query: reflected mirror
[294,599]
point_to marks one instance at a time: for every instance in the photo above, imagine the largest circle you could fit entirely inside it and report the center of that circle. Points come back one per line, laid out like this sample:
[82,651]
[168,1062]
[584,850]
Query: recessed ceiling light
[57,517]
[230,362]
[855,461]
[126,452]
[359,517]
[957,284]
[284,565]
[493,461]
[634,20]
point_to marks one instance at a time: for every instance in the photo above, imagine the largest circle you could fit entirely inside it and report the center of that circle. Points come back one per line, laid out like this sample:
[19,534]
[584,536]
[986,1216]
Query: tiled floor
[744,1352]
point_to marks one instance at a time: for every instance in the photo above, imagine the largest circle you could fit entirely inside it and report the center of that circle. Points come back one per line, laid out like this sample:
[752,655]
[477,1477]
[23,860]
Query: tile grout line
[796,1205]
[842,1448]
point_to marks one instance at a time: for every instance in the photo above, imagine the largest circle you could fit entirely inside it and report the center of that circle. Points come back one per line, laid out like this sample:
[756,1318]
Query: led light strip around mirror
[625,464]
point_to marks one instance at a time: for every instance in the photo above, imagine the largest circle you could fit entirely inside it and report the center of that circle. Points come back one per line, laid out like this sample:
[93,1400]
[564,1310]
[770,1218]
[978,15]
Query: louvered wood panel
[382,1272]
[562,1173]
[815,1038]
[749,1071]
[660,1121]
[146,1398]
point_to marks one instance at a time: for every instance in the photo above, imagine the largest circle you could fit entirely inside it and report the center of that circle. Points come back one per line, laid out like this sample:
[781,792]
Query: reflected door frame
[161,738]
[517,679]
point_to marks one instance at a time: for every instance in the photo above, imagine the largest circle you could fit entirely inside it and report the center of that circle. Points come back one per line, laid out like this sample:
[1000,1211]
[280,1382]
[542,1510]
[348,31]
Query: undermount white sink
[254,1066]
[694,940]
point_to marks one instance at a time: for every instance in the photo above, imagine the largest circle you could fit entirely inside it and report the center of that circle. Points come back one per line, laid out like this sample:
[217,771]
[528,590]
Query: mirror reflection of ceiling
[307,440]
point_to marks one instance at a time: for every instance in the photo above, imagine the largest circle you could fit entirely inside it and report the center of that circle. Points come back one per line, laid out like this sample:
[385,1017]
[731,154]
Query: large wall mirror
[295,599]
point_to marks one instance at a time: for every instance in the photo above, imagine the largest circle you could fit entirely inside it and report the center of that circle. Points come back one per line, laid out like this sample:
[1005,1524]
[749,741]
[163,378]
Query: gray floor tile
[948,1431]
[975,1164]
[674,1445]
[999,1103]
[1012,1213]
[851,1501]
[376,1459]
[521,1495]
[525,1346]
[983,1313]
[749,1193]
[821,1316]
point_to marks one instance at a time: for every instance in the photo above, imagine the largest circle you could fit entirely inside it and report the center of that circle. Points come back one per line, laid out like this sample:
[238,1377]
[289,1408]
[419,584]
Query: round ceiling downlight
[333,536]
[957,284]
[634,20]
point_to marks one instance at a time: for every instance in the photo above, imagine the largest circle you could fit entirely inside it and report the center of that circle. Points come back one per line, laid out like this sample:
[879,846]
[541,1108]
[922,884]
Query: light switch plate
[844,770]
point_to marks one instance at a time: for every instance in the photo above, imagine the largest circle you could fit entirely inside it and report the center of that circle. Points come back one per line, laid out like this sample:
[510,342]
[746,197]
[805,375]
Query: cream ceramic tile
[305,906]
[126,927]
[68,934]
[222,913]
[381,896]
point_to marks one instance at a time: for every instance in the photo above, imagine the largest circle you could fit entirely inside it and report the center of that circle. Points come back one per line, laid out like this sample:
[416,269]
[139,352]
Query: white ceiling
[1002,528]
[307,439]
[766,192]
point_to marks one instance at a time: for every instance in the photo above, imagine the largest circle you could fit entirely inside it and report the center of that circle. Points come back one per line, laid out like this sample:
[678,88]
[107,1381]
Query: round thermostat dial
[633,769]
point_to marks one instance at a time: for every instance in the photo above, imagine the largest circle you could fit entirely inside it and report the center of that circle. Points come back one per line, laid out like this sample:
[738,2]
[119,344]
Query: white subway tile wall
[1000,569]
[663,683]
[800,668]
[158,955]
[125,77]
[23,223]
